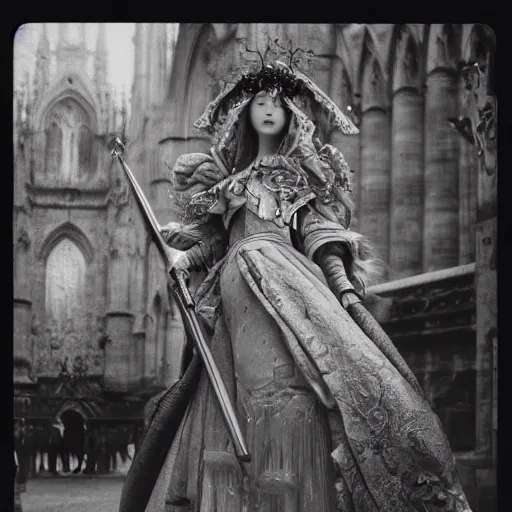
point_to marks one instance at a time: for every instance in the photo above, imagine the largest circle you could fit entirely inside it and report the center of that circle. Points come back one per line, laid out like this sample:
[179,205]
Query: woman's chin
[271,130]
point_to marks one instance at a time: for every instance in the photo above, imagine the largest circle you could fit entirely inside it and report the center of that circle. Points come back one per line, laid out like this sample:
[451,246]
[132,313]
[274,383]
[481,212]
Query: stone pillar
[441,221]
[119,317]
[375,179]
[486,297]
[486,362]
[406,184]
[22,316]
[155,276]
[117,351]
[167,347]
[137,354]
[150,371]
[160,339]
[176,344]
[478,105]
[350,146]
[342,94]
[468,173]
[137,349]
[22,300]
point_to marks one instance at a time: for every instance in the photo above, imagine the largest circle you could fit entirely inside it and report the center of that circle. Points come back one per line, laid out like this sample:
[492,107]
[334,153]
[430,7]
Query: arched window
[53,149]
[65,285]
[69,142]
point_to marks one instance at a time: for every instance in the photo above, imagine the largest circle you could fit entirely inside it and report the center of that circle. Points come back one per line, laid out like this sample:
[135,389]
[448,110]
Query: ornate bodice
[246,223]
[272,191]
[275,194]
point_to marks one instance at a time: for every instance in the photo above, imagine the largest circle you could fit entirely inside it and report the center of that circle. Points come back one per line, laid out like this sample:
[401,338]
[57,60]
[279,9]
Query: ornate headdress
[205,177]
[277,71]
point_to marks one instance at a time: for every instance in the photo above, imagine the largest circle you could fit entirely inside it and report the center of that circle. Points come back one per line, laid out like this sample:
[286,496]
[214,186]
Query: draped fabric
[389,447]
[334,419]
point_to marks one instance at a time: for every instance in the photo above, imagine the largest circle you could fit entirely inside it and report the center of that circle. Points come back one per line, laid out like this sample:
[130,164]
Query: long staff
[186,305]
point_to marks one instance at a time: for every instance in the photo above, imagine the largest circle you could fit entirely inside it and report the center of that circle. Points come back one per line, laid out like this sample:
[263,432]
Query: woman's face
[267,114]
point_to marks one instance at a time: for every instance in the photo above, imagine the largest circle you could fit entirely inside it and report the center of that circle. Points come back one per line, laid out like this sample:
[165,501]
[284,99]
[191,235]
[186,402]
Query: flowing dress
[333,423]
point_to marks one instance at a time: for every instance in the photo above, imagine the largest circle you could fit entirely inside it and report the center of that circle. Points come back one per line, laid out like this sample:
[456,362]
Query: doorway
[73,441]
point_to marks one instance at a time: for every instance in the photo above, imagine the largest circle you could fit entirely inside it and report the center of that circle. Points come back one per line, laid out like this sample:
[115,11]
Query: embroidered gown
[333,420]
[331,423]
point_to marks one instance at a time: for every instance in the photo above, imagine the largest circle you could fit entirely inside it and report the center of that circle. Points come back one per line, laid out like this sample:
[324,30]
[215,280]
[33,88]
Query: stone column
[468,173]
[176,344]
[150,372]
[117,351]
[441,221]
[406,184]
[484,113]
[22,300]
[159,338]
[375,139]
[341,93]
[119,317]
[375,179]
[155,274]
[22,317]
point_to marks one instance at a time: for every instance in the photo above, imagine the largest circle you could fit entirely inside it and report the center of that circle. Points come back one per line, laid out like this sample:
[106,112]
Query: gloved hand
[180,236]
[349,298]
[330,259]
[182,267]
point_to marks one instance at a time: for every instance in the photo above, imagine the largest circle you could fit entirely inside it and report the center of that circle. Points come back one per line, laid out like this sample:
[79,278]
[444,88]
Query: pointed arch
[443,46]
[69,139]
[346,57]
[369,48]
[198,81]
[72,85]
[78,407]
[372,76]
[66,287]
[182,87]
[480,47]
[406,59]
[71,231]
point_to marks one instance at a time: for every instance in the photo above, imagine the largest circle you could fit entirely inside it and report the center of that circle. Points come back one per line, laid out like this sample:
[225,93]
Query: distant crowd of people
[38,447]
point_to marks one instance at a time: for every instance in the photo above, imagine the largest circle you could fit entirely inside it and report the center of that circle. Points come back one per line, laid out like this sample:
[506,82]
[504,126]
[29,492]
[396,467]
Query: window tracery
[69,143]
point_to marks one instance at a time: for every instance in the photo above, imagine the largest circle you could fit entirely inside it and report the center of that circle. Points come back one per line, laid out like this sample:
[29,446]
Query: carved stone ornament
[477,120]
[23,240]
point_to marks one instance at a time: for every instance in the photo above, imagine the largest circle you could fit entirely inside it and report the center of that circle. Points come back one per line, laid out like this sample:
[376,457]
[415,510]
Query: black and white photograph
[255,267]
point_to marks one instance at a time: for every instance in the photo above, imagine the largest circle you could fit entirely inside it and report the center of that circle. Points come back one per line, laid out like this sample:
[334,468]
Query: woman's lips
[268,122]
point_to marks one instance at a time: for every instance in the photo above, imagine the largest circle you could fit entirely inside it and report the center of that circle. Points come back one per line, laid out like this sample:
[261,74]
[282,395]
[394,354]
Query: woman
[333,420]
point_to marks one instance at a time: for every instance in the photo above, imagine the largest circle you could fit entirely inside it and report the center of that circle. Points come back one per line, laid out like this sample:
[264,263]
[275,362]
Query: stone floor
[76,493]
[73,494]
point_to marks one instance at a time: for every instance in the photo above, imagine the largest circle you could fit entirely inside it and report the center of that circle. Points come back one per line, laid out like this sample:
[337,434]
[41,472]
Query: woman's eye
[260,103]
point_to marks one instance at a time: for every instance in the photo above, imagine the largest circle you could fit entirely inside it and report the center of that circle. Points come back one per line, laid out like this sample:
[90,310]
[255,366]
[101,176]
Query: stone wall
[414,181]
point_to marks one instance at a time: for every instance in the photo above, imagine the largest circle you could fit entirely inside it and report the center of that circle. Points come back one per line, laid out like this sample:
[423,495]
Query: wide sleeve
[320,235]
[204,244]
[199,233]
[203,187]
